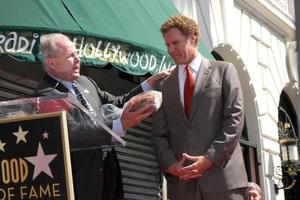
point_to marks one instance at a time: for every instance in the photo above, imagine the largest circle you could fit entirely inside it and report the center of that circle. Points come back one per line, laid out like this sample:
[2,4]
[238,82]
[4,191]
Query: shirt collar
[195,64]
[67,84]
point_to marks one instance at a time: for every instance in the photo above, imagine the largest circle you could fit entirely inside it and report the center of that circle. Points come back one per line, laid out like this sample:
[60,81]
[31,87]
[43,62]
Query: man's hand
[131,118]
[175,168]
[199,166]
[152,81]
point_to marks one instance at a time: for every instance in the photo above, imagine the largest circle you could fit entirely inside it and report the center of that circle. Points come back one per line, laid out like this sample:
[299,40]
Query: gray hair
[254,186]
[49,45]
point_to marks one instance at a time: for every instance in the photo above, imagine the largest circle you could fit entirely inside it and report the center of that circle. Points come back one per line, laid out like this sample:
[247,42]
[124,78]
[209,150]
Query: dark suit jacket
[213,130]
[85,139]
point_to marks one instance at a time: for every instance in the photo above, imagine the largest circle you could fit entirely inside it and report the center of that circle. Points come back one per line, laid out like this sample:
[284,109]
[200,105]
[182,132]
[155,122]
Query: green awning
[124,33]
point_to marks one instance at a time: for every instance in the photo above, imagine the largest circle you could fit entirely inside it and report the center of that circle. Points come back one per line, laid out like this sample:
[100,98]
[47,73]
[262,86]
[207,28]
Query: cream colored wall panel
[275,75]
[264,76]
[278,74]
[263,54]
[234,28]
[245,39]
[282,68]
[255,71]
[274,67]
[273,86]
[279,59]
[204,23]
[276,165]
[265,36]
[217,21]
[228,17]
[261,100]
[273,100]
[282,50]
[184,6]
[214,35]
[269,190]
[271,146]
[255,29]
[268,127]
[201,10]
[250,58]
[270,162]
[273,92]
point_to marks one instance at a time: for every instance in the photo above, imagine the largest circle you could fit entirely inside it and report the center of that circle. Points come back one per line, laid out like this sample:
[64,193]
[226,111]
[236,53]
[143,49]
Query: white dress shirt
[195,65]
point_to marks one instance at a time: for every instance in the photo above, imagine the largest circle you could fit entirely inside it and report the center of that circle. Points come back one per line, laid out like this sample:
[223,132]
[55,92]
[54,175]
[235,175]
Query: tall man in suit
[196,132]
[62,66]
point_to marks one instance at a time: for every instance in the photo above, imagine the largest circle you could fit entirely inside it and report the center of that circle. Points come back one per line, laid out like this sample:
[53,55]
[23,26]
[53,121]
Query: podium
[34,147]
[34,151]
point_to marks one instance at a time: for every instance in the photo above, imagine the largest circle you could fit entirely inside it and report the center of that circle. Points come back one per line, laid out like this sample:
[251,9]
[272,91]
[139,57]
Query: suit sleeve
[160,140]
[83,133]
[119,101]
[227,139]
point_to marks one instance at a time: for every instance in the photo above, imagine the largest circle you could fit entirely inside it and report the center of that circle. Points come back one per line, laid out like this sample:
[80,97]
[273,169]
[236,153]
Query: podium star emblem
[45,135]
[41,162]
[21,135]
[2,144]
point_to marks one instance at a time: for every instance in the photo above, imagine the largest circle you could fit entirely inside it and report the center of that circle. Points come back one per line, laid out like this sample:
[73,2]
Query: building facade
[258,36]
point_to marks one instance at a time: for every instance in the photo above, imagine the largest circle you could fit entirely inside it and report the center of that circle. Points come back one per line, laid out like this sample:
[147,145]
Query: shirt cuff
[146,87]
[117,127]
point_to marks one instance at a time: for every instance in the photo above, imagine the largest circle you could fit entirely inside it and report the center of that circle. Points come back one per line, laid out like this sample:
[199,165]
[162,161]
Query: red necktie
[188,90]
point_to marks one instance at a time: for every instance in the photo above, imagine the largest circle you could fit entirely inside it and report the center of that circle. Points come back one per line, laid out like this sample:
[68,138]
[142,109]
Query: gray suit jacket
[213,130]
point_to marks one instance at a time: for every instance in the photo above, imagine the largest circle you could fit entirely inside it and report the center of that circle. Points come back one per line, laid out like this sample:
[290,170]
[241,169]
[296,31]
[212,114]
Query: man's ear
[50,63]
[194,40]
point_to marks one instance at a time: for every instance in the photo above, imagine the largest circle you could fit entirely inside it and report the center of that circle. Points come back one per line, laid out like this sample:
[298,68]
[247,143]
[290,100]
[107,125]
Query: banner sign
[34,158]
[129,58]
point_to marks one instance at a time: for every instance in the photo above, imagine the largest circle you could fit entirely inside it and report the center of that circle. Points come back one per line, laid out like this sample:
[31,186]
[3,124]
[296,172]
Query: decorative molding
[271,15]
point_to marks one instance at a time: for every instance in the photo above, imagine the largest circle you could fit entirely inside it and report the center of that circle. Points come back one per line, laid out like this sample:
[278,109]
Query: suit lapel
[56,84]
[202,76]
[171,90]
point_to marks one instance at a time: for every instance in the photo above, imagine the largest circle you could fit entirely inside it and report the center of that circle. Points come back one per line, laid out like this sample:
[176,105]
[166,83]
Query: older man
[62,66]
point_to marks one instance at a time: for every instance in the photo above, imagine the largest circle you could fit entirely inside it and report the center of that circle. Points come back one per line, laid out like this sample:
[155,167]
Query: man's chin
[178,62]
[75,77]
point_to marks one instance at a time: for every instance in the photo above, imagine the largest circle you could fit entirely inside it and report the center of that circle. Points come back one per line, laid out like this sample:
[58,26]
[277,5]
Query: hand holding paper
[135,110]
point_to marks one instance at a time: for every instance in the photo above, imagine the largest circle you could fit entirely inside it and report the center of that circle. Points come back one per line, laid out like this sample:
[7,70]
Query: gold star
[21,135]
[2,146]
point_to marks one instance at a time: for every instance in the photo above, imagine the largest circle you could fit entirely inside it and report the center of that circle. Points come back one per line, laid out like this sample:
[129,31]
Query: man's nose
[77,59]
[171,49]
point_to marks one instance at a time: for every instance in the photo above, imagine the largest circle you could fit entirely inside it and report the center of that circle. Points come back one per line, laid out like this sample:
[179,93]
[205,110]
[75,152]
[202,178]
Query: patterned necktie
[82,98]
[188,90]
